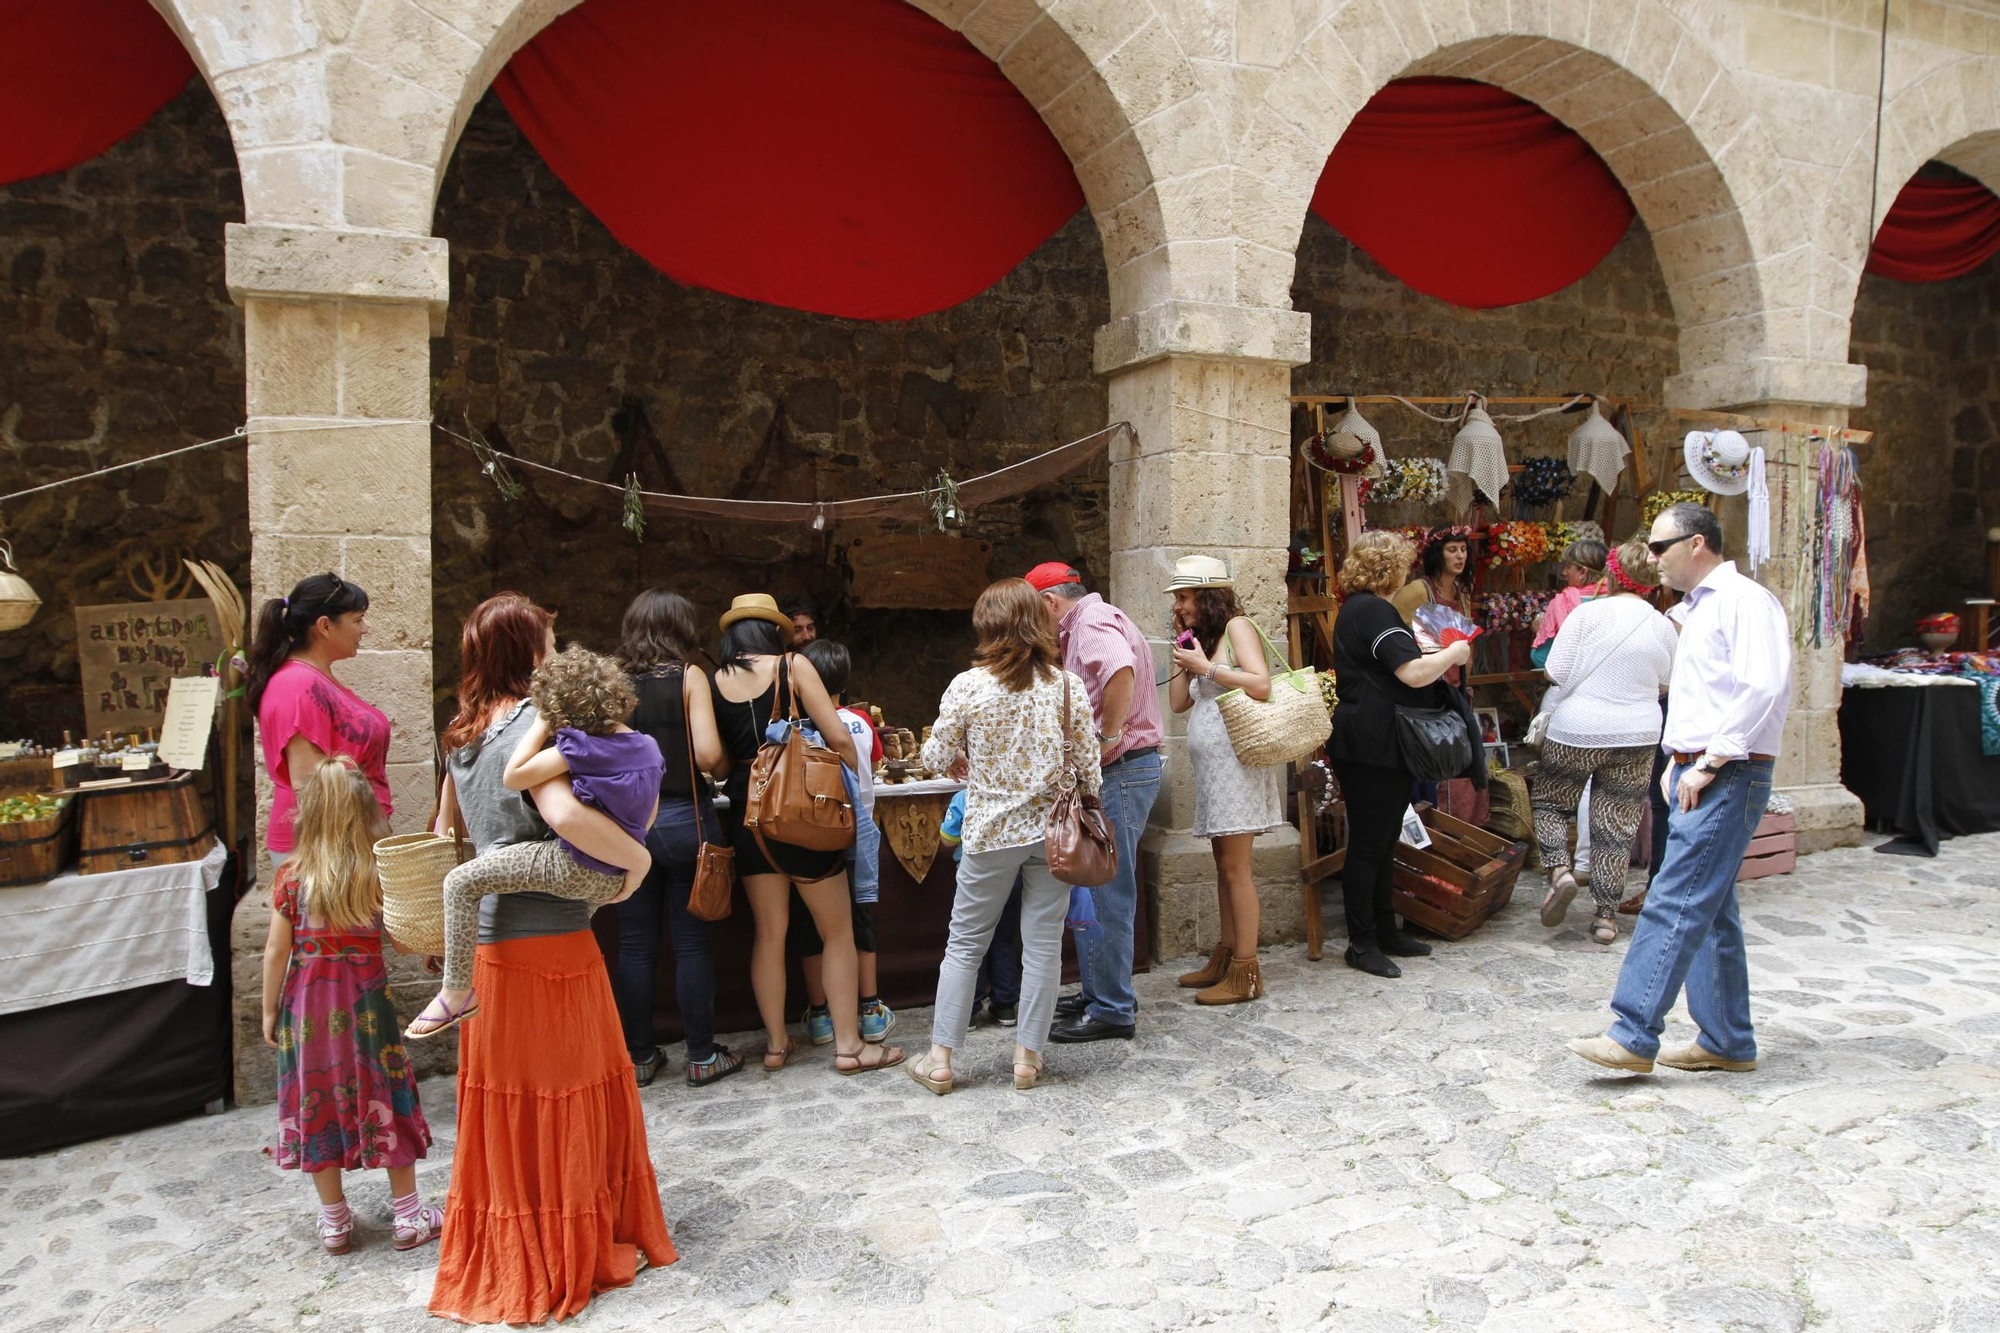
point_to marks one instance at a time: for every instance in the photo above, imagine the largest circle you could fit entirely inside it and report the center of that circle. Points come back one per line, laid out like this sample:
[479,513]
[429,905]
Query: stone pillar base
[1829,815]
[1181,871]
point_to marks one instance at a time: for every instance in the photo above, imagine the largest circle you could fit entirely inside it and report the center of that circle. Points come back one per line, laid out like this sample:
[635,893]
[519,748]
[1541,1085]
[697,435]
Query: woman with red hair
[552,1194]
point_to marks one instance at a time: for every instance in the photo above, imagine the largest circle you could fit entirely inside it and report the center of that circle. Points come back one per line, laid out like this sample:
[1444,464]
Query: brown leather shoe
[1242,982]
[1695,1056]
[1214,970]
[1606,1052]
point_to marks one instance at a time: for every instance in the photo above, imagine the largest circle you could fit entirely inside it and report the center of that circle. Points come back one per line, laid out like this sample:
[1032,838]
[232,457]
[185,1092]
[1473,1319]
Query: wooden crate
[1773,849]
[1465,876]
[144,824]
[36,850]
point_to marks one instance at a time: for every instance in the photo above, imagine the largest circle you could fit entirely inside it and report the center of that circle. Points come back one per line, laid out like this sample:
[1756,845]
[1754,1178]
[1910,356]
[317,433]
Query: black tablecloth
[114,1063]
[1912,755]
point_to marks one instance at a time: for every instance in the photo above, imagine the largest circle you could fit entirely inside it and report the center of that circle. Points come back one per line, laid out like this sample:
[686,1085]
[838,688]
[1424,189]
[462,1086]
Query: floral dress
[346,1095]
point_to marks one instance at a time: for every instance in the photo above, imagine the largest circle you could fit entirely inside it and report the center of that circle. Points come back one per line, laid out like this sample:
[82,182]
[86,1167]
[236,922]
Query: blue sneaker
[877,1021]
[819,1024]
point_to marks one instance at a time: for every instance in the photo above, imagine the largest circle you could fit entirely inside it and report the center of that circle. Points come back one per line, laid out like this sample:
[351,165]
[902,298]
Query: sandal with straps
[420,1228]
[335,1237]
[776,1060]
[445,1022]
[1604,925]
[891,1057]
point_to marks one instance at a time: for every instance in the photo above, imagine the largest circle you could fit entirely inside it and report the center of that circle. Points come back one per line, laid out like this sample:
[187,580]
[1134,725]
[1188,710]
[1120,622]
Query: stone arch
[1644,90]
[1950,115]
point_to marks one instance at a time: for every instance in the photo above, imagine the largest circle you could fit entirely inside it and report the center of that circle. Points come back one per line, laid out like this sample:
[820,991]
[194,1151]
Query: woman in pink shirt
[303,713]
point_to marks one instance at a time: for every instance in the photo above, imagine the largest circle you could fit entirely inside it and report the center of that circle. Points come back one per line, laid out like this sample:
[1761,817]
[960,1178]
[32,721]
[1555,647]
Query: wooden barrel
[35,850]
[145,824]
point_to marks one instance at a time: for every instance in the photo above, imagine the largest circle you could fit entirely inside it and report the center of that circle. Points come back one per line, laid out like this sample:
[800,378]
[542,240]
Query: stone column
[1205,387]
[337,340]
[1808,769]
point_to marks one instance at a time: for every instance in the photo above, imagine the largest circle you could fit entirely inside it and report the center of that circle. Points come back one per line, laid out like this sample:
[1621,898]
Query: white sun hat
[1718,460]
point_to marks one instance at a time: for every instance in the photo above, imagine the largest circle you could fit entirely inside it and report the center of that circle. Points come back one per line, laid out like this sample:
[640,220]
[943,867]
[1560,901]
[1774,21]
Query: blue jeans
[635,979]
[1689,932]
[1000,970]
[1130,788]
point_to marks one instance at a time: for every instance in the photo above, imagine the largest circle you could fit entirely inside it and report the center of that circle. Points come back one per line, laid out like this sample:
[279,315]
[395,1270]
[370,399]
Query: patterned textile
[521,867]
[1228,798]
[1989,715]
[346,1095]
[1618,780]
[1015,744]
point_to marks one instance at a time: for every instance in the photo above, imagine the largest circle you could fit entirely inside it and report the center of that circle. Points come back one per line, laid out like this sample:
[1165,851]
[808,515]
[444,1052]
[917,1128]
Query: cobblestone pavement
[1347,1153]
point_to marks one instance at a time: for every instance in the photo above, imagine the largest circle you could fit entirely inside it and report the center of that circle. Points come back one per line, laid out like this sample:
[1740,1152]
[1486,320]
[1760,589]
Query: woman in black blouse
[674,702]
[1378,666]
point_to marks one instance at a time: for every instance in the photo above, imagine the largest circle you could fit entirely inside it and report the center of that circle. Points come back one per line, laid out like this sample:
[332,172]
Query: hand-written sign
[190,717]
[902,572]
[129,655]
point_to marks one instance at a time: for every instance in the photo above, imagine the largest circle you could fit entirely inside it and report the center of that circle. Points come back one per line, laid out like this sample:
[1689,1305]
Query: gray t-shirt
[496,817]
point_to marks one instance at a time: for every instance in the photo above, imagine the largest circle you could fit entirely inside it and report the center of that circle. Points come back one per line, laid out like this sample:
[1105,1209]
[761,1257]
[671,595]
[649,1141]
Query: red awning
[1470,194]
[1944,224]
[77,76]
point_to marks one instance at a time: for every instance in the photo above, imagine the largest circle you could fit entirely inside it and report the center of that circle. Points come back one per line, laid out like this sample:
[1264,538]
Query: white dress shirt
[1733,673]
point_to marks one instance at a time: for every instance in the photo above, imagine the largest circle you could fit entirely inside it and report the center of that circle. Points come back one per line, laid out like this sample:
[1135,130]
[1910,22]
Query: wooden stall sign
[129,655]
[899,572]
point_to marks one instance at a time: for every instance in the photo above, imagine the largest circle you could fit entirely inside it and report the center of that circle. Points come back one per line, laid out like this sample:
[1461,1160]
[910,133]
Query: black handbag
[1433,742]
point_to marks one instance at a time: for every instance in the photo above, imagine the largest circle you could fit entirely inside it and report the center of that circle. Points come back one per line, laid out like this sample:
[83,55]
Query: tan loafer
[1695,1056]
[1606,1052]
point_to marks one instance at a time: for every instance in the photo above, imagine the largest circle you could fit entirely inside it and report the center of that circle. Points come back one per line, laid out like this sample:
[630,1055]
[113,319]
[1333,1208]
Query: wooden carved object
[151,574]
[910,826]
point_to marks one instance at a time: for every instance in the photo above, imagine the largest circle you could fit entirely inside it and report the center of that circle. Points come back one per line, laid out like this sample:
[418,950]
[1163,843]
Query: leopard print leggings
[523,867]
[1617,779]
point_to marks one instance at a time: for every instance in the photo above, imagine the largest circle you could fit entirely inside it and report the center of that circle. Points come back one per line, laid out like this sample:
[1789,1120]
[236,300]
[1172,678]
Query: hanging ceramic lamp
[1355,426]
[1478,454]
[18,601]
[1597,447]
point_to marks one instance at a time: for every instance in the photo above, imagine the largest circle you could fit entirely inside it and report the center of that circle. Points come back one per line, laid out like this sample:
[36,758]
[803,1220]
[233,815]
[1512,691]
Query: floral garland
[1502,611]
[1571,531]
[1660,501]
[1542,482]
[1517,543]
[1455,532]
[1416,480]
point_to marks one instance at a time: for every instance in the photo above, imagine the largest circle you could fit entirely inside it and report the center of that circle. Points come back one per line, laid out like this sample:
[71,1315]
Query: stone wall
[118,339]
[559,339]
[1931,477]
[1611,332]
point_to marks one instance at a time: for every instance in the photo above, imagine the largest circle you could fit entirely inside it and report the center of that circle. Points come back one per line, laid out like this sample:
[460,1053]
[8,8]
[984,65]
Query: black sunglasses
[1661,548]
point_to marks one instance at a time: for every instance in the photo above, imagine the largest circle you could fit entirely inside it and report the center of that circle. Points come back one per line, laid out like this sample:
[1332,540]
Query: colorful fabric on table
[347,1096]
[1989,715]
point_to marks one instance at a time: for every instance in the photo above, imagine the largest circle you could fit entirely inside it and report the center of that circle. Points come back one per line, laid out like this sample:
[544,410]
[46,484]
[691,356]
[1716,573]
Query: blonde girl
[347,1099]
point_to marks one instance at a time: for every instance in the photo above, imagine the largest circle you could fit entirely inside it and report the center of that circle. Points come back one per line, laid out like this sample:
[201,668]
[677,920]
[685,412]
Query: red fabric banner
[77,76]
[1470,194]
[851,157]
[1944,224]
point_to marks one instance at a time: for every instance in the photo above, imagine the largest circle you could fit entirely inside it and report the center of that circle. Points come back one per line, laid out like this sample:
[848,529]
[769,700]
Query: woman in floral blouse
[1002,727]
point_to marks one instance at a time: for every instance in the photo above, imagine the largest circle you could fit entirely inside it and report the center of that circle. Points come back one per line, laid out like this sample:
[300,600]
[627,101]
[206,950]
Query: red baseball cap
[1051,574]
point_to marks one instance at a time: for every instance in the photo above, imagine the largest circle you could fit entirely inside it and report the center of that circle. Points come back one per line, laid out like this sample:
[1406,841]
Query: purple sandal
[450,1019]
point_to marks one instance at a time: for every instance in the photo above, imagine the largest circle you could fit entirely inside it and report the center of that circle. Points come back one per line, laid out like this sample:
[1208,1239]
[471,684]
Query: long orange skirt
[552,1192]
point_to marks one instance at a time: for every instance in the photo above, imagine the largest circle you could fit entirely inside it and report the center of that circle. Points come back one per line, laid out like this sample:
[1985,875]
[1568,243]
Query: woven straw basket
[1284,728]
[413,867]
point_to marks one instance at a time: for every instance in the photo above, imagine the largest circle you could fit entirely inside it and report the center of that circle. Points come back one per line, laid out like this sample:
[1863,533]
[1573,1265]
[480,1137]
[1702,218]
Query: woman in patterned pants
[1611,661]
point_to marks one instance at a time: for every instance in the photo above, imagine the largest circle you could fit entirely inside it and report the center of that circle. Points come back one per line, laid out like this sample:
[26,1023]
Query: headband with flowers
[1626,581]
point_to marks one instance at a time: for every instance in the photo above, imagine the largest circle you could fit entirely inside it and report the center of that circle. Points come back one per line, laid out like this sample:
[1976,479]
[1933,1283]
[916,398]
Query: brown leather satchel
[714,864]
[797,792]
[1080,844]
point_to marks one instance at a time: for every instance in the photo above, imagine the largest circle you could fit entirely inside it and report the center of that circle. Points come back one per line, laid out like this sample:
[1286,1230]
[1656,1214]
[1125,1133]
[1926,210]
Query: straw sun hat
[756,606]
[1199,571]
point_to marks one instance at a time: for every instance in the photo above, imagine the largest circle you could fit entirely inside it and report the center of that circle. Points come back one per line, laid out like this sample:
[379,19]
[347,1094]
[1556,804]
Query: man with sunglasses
[1725,715]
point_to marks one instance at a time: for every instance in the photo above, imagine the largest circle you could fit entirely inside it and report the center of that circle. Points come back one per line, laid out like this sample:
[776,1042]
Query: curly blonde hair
[1636,559]
[1378,562]
[583,690]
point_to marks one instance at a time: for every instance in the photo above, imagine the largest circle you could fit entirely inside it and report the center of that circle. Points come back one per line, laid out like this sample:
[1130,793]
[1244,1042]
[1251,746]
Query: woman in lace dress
[1217,650]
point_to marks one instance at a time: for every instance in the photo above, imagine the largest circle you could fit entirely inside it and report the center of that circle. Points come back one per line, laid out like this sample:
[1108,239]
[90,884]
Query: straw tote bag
[412,867]
[714,865]
[1289,725]
[1077,836]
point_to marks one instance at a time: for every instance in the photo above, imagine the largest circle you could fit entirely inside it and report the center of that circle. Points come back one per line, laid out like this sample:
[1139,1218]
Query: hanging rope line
[236,436]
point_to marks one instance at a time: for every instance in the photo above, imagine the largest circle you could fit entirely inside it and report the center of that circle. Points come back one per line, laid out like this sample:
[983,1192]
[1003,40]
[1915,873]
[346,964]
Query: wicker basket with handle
[413,867]
[1288,726]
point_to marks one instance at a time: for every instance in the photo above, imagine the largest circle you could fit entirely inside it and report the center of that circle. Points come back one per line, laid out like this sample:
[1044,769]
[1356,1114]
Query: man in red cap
[1112,658]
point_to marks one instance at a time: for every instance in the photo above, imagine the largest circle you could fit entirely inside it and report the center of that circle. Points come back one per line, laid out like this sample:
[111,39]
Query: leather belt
[1139,753]
[1688,757]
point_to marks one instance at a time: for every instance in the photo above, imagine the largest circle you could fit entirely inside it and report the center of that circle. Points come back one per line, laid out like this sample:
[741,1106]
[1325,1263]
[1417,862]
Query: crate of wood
[142,824]
[1463,877]
[37,836]
[1774,847]
[26,775]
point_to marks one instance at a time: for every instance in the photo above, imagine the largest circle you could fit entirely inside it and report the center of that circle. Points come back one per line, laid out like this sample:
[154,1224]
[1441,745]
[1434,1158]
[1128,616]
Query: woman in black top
[753,685]
[657,639]
[1378,666]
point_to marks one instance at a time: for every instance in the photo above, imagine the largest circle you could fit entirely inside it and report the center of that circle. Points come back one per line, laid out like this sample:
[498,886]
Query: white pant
[985,882]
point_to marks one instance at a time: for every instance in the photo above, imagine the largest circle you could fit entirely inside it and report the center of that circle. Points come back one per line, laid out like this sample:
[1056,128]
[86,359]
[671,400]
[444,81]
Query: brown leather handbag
[1080,844]
[714,864]
[797,792]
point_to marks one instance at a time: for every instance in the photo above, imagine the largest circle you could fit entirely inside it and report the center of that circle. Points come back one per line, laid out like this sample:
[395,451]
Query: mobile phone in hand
[1185,639]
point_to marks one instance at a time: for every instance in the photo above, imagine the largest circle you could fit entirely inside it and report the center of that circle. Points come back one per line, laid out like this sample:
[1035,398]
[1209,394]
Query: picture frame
[1489,725]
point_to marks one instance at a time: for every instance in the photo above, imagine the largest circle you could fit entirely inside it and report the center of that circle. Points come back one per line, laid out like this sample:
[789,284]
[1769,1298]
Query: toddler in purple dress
[583,700]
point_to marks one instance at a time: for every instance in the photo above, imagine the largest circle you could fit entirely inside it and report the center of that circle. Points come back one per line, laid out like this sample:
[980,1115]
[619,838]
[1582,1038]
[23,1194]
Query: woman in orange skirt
[552,1192]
